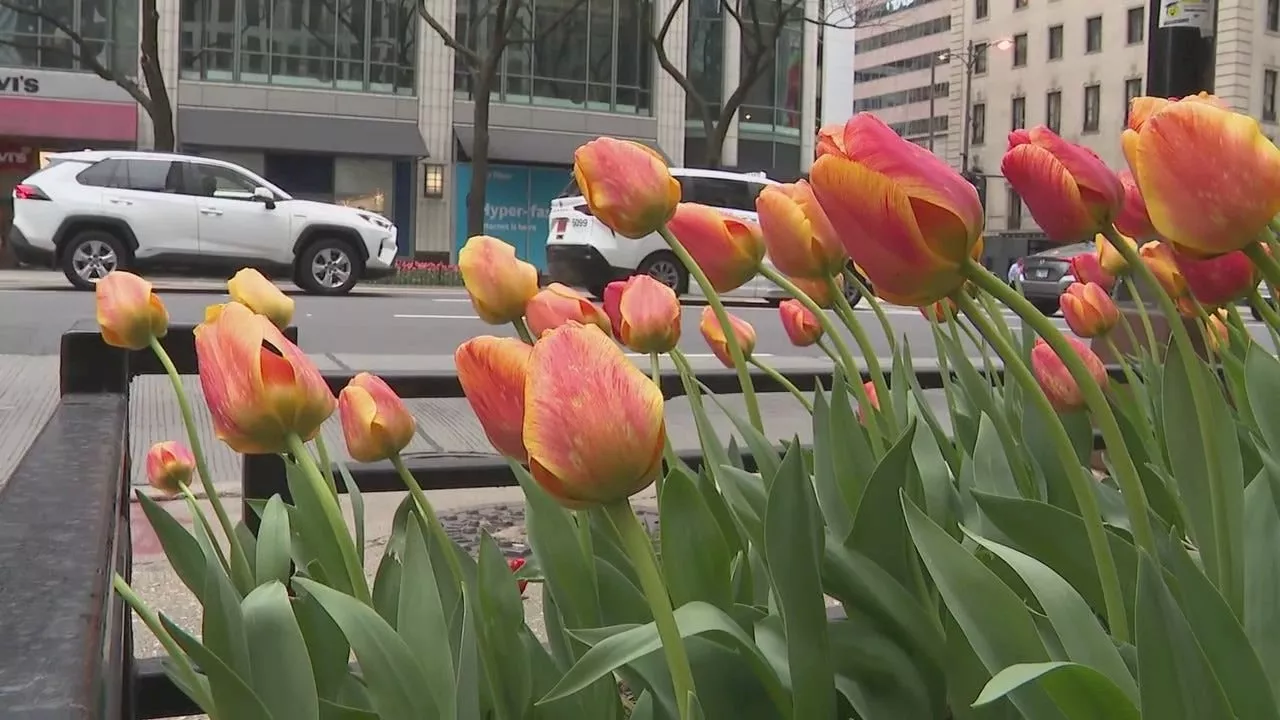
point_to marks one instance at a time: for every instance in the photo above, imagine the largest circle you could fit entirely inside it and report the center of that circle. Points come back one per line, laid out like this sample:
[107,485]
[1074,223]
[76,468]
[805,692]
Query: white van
[582,252]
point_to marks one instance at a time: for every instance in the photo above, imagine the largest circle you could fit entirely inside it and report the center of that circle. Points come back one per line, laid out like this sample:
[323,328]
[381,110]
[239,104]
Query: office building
[360,102]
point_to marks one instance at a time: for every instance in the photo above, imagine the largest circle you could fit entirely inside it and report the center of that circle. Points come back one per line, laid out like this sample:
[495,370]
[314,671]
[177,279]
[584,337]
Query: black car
[1046,275]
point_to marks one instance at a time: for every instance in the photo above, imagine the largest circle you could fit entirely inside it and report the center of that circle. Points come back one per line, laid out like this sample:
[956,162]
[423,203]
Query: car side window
[719,193]
[152,176]
[221,182]
[101,174]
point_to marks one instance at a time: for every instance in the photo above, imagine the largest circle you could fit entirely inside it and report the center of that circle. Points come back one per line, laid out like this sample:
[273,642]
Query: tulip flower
[726,248]
[1089,310]
[1217,281]
[1057,382]
[1086,268]
[714,334]
[941,311]
[798,237]
[819,291]
[830,141]
[499,283]
[260,388]
[870,388]
[515,564]
[253,290]
[593,422]
[644,314]
[801,326]
[1109,258]
[1158,258]
[906,218]
[1210,178]
[1070,191]
[492,372]
[170,466]
[1133,221]
[130,315]
[1219,333]
[627,185]
[375,422]
[558,304]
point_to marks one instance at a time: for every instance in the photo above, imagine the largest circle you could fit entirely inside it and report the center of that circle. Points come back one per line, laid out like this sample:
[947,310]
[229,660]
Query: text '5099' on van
[583,252]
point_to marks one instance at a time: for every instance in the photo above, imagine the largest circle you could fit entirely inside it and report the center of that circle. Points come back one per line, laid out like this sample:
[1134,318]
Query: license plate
[1040,274]
[579,222]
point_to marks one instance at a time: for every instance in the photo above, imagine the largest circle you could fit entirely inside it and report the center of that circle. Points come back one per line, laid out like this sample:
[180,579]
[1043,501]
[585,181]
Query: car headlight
[376,220]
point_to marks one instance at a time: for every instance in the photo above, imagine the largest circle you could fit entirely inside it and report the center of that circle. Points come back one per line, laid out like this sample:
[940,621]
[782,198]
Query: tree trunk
[714,156]
[160,109]
[479,152]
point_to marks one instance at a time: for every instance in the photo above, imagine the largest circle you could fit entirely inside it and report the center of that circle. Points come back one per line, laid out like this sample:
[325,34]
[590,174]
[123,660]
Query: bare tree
[151,94]
[482,59]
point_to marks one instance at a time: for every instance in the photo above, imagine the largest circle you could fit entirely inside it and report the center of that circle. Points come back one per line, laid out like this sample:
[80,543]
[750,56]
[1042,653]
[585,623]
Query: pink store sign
[68,119]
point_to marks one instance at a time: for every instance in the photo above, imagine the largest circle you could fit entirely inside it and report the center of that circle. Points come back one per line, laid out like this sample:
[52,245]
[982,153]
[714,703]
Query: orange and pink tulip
[253,290]
[726,248]
[260,388]
[375,422]
[1089,310]
[800,324]
[716,339]
[627,185]
[1070,191]
[130,314]
[1217,281]
[1133,220]
[499,283]
[1057,382]
[1109,258]
[830,141]
[170,466]
[644,314]
[1219,333]
[798,237]
[1209,176]
[942,311]
[584,451]
[1158,257]
[558,304]
[908,221]
[492,372]
[1086,268]
[819,291]
[870,389]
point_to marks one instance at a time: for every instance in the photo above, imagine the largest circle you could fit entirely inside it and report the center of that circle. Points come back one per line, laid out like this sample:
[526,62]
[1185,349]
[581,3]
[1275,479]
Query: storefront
[517,203]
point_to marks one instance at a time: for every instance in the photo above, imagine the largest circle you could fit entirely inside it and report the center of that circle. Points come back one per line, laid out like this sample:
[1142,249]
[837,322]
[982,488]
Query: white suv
[92,212]
[583,252]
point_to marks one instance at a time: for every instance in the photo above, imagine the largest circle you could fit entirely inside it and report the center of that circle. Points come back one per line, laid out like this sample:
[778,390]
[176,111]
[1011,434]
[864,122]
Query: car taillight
[28,192]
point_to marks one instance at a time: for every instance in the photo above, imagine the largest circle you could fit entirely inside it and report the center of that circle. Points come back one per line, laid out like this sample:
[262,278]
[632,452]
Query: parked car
[92,212]
[1046,275]
[583,252]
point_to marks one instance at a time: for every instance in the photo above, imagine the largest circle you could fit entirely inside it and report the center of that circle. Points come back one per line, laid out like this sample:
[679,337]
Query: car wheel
[328,267]
[596,291]
[1048,308]
[851,292]
[90,256]
[666,269]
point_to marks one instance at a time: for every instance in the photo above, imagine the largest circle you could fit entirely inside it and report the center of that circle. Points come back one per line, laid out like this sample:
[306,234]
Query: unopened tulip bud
[1109,258]
[261,389]
[558,304]
[727,249]
[818,290]
[798,237]
[1070,191]
[801,325]
[714,334]
[941,311]
[253,290]
[515,564]
[492,372]
[499,283]
[1089,310]
[1057,382]
[170,466]
[594,423]
[1086,268]
[626,185]
[375,421]
[644,314]
[130,314]
[870,389]
[1158,257]
[1217,281]
[1219,333]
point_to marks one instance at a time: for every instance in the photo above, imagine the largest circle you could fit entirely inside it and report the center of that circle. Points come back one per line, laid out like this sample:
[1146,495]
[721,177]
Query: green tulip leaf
[762,451]
[931,463]
[1262,572]
[746,495]
[386,586]
[1262,377]
[553,535]
[992,472]
[232,695]
[180,548]
[826,470]
[878,529]
[879,677]
[282,675]
[327,647]
[391,671]
[1079,691]
[643,709]
[422,621]
[502,624]
[222,623]
[467,686]
[330,710]
[274,552]
[318,535]
[357,505]
[695,556]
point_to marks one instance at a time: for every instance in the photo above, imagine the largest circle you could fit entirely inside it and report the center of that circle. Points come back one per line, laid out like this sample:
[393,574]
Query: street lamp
[969,56]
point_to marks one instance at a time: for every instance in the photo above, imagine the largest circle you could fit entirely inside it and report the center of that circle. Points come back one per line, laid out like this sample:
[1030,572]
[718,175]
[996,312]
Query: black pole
[1180,61]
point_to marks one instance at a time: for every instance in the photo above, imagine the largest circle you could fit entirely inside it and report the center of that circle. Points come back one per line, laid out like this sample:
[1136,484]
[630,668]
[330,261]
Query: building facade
[361,102]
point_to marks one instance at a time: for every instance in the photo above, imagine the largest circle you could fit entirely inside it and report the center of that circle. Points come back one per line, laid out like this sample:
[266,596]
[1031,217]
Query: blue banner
[517,202]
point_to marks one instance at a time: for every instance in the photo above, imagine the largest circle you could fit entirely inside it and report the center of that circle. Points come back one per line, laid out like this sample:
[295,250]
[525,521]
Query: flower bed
[424,274]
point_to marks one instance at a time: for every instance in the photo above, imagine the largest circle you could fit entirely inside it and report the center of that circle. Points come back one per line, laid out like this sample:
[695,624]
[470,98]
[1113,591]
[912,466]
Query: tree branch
[659,42]
[470,56]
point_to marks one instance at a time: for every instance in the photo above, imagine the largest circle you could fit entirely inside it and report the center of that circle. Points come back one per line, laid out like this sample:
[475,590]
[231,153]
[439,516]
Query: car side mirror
[265,196]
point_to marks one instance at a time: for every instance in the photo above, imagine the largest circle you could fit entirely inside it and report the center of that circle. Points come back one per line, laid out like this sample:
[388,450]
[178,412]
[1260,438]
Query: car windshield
[570,190]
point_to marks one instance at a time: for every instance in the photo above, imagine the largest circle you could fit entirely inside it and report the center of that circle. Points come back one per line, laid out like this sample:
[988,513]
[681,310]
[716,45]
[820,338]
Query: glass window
[364,183]
[356,45]
[151,176]
[221,182]
[1092,107]
[980,9]
[108,29]
[1055,42]
[1269,95]
[979,58]
[1135,25]
[978,134]
[102,174]
[773,102]
[1013,214]
[719,192]
[1020,50]
[1020,4]
[1093,34]
[1018,113]
[1132,89]
[1053,110]
[1273,15]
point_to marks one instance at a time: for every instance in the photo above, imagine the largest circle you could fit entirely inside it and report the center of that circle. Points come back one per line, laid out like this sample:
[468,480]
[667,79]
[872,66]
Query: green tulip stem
[845,311]
[1268,313]
[1080,478]
[326,463]
[1266,264]
[428,514]
[332,512]
[1125,471]
[852,278]
[200,517]
[785,383]
[1129,376]
[827,349]
[722,316]
[668,453]
[182,663]
[846,357]
[997,317]
[1144,315]
[522,329]
[639,547]
[240,571]
[1131,336]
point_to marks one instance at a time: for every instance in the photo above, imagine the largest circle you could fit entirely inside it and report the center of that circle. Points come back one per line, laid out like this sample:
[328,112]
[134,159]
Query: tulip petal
[492,372]
[1090,173]
[1049,192]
